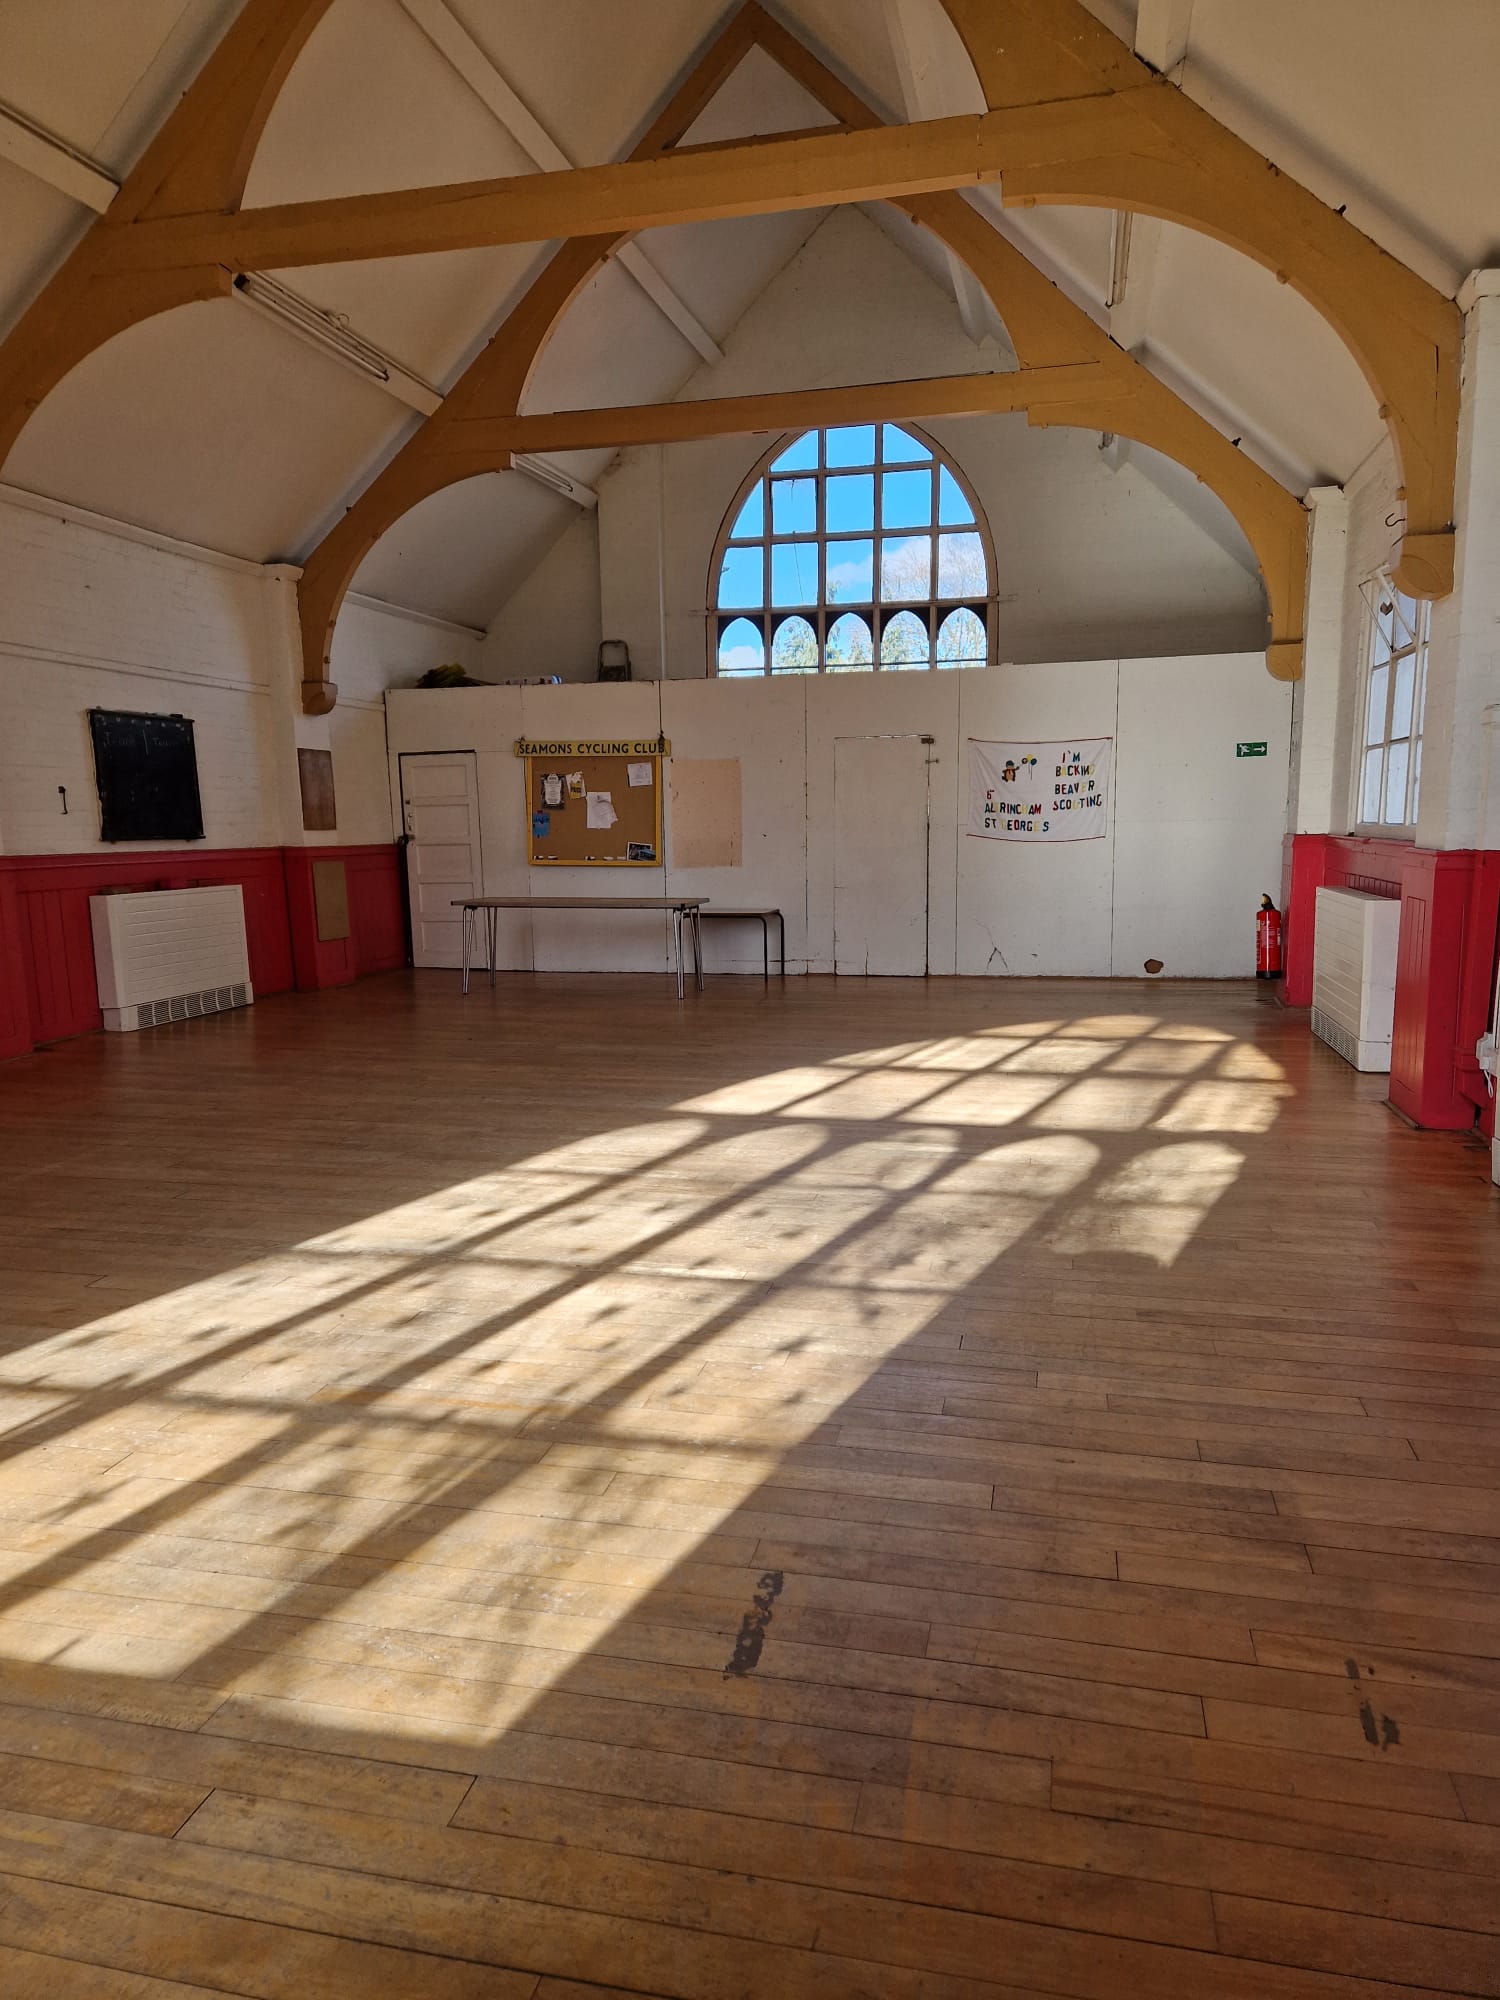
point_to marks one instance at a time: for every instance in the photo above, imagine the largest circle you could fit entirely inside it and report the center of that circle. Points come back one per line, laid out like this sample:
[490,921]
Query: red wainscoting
[1445,961]
[47,987]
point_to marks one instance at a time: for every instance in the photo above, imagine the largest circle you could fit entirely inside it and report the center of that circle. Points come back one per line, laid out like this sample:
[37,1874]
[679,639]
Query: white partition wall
[1193,835]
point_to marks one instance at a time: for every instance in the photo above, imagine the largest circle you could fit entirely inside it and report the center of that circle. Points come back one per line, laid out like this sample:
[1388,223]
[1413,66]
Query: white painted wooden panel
[880,835]
[1198,829]
[1038,909]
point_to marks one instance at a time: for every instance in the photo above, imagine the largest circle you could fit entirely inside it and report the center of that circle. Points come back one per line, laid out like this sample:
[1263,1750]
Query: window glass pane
[1422,690]
[906,500]
[906,569]
[852,444]
[953,508]
[801,455]
[899,447]
[1407,614]
[1395,784]
[1375,715]
[794,506]
[961,640]
[903,643]
[794,573]
[751,519]
[742,648]
[1369,789]
[794,648]
[1401,702]
[1385,621]
[961,571]
[849,649]
[850,502]
[742,580]
[851,573]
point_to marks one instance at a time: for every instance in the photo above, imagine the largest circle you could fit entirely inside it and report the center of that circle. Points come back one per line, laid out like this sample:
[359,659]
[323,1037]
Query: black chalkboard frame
[146,772]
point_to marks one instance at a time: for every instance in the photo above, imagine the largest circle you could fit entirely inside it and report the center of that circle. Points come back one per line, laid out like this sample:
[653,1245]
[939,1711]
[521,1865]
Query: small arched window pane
[794,506]
[833,526]
[801,455]
[742,649]
[751,519]
[906,500]
[906,569]
[794,648]
[851,444]
[953,509]
[850,503]
[794,573]
[961,640]
[903,643]
[742,580]
[851,573]
[961,569]
[899,447]
[850,649]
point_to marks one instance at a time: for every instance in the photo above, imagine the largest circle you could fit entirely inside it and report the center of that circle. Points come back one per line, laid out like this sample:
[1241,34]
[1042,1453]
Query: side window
[1388,765]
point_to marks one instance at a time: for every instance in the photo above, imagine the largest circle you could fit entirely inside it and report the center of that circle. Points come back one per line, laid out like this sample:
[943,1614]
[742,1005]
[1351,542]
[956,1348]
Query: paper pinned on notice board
[640,774]
[601,809]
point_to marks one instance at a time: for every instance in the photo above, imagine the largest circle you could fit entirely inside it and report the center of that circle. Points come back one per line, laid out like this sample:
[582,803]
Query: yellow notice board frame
[602,764]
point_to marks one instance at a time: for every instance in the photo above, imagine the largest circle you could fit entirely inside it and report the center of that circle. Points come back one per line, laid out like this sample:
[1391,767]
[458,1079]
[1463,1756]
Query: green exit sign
[1249,749]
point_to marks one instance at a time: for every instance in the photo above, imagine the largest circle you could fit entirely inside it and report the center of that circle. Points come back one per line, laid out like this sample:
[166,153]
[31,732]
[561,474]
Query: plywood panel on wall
[707,829]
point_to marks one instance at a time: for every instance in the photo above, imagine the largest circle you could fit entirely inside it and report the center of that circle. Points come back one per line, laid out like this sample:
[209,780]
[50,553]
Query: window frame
[1382,653]
[877,615]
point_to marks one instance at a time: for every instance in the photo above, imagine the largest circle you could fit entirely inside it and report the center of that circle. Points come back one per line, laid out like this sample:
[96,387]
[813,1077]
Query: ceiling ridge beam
[505,105]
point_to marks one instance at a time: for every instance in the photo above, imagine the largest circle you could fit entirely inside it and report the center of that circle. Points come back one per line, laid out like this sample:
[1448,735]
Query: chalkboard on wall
[146,769]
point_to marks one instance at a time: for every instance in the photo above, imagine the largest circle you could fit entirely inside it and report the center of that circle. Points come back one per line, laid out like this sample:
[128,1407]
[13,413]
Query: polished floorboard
[917,1490]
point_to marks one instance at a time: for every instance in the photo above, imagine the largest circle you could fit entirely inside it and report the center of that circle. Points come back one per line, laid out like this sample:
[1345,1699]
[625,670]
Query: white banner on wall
[1039,791]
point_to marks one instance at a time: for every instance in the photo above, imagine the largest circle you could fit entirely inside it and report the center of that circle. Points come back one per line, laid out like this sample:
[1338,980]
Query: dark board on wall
[146,768]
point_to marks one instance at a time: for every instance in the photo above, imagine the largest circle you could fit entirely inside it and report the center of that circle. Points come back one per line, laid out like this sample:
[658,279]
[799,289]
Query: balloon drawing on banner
[1039,791]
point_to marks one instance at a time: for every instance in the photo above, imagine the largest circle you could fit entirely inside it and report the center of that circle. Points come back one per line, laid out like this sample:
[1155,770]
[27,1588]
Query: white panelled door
[880,855]
[440,812]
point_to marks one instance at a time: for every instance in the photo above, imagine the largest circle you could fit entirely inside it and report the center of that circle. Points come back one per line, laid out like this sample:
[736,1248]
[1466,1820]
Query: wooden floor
[877,1489]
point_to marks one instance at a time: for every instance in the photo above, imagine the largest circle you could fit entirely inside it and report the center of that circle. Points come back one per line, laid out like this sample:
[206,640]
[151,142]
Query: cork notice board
[593,803]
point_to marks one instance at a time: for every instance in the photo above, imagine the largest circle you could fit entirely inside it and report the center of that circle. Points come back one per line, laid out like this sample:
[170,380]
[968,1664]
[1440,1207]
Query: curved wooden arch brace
[1046,328]
[1142,144]
[200,159]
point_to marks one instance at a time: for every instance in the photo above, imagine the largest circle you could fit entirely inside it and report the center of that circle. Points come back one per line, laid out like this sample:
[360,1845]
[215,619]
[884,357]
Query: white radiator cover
[169,955]
[1354,974]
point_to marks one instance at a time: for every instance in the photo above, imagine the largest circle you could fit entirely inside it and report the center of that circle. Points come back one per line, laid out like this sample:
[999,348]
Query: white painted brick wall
[95,619]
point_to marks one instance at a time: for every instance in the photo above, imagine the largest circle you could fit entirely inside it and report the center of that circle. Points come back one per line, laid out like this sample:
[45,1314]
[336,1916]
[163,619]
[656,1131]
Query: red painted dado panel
[47,986]
[1445,961]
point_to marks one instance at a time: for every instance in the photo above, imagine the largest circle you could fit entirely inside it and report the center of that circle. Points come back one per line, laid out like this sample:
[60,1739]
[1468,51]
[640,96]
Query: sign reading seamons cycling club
[1039,791]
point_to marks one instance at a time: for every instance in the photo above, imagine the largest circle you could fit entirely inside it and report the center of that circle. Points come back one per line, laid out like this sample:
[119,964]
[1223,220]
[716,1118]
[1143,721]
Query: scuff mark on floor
[752,1634]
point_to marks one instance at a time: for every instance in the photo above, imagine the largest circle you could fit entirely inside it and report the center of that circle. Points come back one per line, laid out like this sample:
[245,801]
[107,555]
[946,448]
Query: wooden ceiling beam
[1156,152]
[911,399]
[1107,389]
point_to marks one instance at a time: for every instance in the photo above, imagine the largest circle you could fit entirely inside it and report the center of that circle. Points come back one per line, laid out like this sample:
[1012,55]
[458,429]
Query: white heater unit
[170,955]
[1354,974]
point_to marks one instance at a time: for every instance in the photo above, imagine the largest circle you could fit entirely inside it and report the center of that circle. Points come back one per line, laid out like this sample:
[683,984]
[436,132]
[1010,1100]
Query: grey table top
[578,902]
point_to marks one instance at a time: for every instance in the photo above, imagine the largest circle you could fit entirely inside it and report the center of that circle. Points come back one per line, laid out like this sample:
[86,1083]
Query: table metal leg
[494,940]
[765,950]
[677,940]
[468,927]
[698,950]
[781,926]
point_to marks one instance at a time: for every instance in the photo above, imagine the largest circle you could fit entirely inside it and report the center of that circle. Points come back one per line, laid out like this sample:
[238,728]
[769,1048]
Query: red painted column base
[1445,961]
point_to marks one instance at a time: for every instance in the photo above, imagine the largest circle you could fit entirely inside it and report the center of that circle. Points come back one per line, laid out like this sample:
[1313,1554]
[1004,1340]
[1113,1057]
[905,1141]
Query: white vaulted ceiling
[216,426]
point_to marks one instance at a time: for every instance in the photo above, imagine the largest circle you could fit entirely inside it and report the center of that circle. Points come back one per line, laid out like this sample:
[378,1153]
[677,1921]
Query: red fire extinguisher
[1267,940]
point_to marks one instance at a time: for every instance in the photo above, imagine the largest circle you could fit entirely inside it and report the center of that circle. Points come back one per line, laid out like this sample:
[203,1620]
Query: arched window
[860,549]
